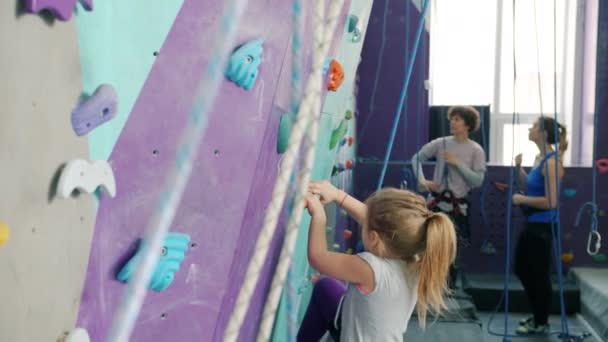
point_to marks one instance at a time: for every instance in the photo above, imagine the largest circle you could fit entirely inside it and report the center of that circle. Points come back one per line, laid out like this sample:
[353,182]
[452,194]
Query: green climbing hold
[338,134]
[600,257]
[284,132]
[348,115]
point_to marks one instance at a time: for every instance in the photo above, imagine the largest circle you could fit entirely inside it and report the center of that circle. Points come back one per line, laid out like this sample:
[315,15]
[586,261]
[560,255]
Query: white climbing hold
[86,176]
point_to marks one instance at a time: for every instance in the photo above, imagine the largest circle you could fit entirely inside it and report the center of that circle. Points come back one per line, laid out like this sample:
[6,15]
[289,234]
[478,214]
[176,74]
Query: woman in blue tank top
[533,250]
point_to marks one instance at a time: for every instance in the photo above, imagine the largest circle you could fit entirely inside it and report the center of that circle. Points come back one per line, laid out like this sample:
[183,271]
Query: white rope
[322,38]
[179,174]
[279,191]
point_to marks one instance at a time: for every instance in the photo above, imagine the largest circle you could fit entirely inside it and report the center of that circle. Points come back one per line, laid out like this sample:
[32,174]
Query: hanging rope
[125,318]
[406,83]
[279,192]
[322,39]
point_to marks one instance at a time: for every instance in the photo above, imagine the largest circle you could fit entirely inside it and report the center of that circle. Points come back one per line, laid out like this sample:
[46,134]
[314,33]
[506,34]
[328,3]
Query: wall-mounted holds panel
[172,254]
[336,76]
[244,63]
[62,9]
[86,176]
[96,110]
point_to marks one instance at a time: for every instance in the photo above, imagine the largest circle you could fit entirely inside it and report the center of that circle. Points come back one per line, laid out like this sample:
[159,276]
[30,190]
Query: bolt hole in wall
[155,53]
[155,152]
[163,316]
[216,153]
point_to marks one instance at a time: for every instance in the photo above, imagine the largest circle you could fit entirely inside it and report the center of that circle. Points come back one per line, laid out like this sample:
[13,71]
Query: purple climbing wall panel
[388,44]
[224,205]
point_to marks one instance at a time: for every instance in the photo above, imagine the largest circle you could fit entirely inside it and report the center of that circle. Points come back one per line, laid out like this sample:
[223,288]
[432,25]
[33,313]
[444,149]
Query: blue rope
[403,93]
[484,188]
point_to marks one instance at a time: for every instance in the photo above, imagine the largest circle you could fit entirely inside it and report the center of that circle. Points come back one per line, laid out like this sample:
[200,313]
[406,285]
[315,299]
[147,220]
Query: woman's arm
[345,267]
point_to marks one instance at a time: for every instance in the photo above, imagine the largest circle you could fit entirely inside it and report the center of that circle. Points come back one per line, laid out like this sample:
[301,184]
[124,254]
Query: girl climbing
[533,250]
[409,250]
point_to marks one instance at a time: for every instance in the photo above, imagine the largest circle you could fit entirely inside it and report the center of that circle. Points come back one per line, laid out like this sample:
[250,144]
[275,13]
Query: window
[473,52]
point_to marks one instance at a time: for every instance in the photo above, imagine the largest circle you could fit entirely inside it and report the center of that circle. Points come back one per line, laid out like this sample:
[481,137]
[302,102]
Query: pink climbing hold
[602,166]
[62,9]
[98,109]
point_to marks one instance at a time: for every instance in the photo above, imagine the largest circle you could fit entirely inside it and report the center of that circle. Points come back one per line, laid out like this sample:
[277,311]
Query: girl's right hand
[428,185]
[327,192]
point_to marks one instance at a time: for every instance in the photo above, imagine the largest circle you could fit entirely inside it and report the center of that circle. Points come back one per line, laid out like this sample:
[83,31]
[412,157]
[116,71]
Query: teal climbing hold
[172,254]
[285,124]
[244,63]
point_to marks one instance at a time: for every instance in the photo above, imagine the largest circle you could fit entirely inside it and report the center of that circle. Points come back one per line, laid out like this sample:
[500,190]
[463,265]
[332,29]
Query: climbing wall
[43,263]
[223,206]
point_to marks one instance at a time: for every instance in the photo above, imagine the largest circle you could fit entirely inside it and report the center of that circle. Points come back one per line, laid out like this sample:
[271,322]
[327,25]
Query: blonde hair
[409,229]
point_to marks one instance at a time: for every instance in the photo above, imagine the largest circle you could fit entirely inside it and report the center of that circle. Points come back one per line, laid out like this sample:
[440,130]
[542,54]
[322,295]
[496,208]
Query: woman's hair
[469,114]
[409,229]
[548,124]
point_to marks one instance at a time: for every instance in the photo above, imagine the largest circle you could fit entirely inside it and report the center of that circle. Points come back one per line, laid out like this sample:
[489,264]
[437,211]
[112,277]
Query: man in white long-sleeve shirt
[460,167]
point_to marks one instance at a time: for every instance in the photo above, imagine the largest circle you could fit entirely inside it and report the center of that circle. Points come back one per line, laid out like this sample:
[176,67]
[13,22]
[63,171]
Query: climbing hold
[76,335]
[353,28]
[340,131]
[62,9]
[329,229]
[349,251]
[172,254]
[602,166]
[601,213]
[96,110]
[336,76]
[349,164]
[342,142]
[337,169]
[567,257]
[347,234]
[488,249]
[4,233]
[353,20]
[86,176]
[244,63]
[599,257]
[359,248]
[285,124]
[569,192]
[351,140]
[336,246]
[348,115]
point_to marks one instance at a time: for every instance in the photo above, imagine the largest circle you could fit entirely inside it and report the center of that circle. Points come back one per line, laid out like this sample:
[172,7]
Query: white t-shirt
[383,314]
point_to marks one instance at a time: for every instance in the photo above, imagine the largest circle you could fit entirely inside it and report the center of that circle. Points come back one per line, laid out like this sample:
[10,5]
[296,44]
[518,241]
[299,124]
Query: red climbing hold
[348,164]
[602,166]
[336,76]
[347,234]
[351,140]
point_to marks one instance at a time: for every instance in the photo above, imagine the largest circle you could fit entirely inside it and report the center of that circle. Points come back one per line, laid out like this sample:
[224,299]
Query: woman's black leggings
[533,267]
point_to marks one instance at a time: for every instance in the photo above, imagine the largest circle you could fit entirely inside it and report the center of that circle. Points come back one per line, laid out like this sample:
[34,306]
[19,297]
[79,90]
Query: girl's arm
[345,267]
[355,208]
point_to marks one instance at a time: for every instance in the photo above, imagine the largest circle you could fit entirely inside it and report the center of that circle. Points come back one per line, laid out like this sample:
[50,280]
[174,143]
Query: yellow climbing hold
[4,233]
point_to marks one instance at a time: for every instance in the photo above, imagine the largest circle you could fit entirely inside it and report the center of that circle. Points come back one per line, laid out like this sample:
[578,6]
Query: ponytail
[439,254]
[562,140]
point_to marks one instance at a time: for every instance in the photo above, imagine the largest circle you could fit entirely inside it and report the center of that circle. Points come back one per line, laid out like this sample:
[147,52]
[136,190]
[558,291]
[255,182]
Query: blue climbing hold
[173,253]
[569,192]
[244,63]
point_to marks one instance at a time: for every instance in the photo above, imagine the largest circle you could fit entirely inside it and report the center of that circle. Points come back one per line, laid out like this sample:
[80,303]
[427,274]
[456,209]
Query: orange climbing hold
[567,257]
[351,140]
[336,76]
[348,164]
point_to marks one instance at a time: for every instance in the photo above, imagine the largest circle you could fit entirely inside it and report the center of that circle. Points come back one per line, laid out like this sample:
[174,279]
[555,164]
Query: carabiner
[598,242]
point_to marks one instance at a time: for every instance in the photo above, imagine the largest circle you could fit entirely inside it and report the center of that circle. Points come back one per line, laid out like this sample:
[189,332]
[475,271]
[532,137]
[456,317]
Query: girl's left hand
[518,199]
[314,206]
